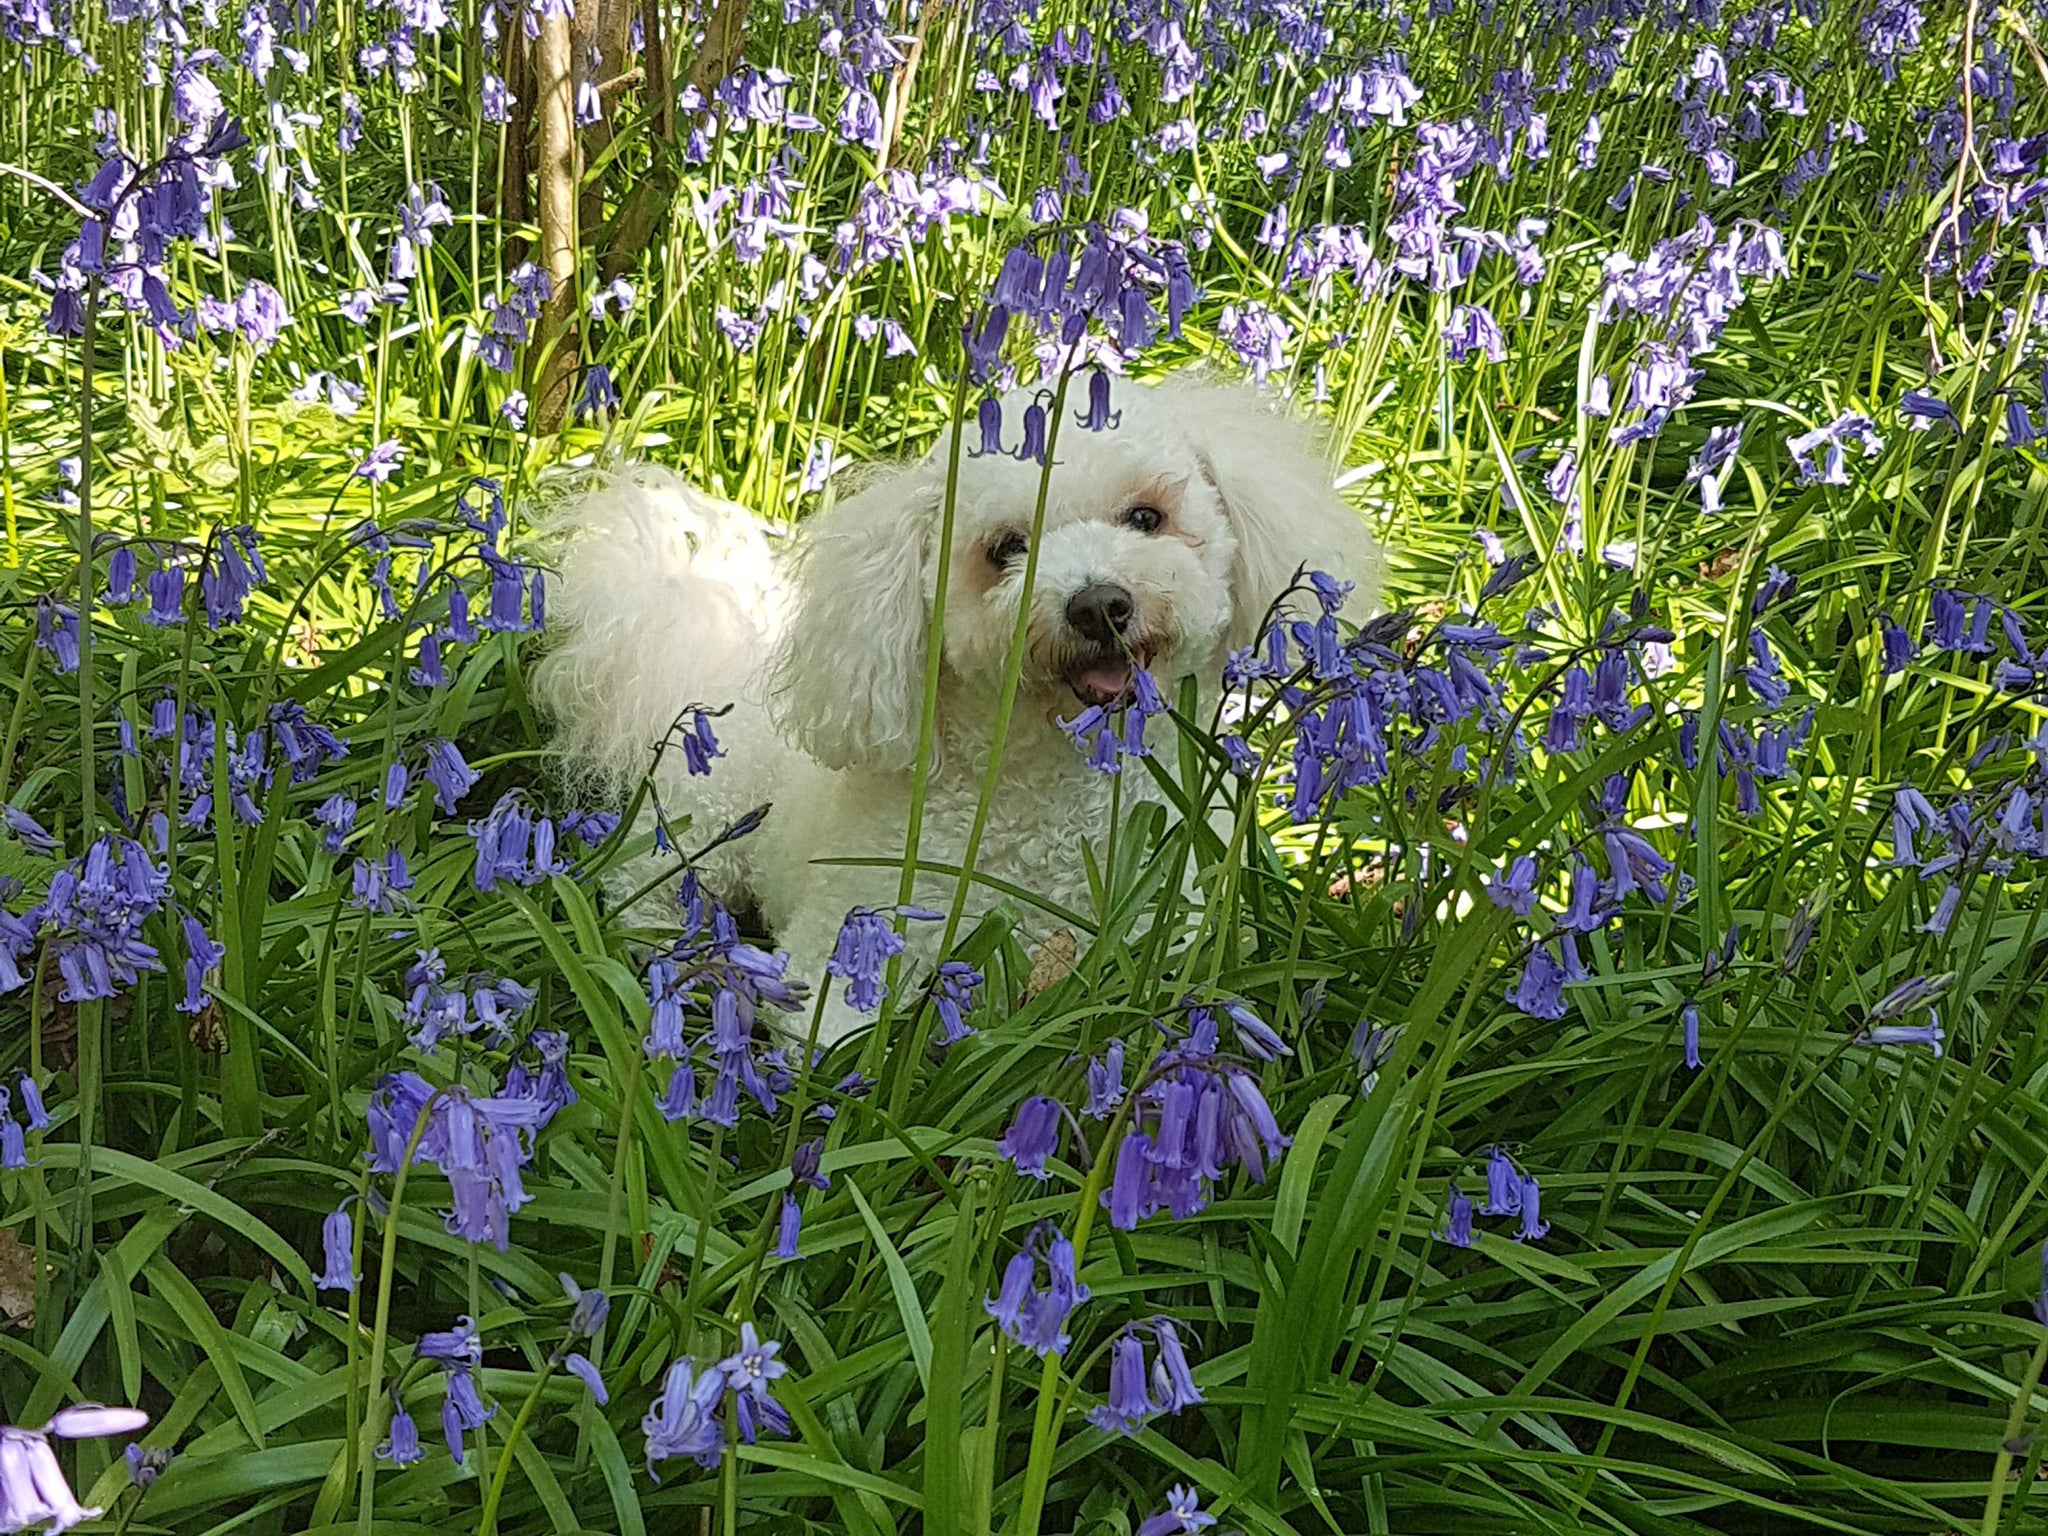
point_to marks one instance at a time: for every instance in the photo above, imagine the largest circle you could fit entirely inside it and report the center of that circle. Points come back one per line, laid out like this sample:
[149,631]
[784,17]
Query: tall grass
[1784,1288]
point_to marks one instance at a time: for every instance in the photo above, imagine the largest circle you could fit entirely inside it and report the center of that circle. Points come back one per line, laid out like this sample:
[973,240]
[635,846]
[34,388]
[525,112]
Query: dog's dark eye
[1145,519]
[1006,549]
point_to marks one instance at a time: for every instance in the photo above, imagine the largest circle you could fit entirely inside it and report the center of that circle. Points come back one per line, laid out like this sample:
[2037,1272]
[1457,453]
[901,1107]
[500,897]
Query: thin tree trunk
[901,83]
[554,84]
[602,27]
[515,208]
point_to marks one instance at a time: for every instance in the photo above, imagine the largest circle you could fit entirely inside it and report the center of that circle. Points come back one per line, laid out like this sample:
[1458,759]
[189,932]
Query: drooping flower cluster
[688,1418]
[1034,1318]
[477,1004]
[729,989]
[1197,1115]
[481,1142]
[94,917]
[1138,1395]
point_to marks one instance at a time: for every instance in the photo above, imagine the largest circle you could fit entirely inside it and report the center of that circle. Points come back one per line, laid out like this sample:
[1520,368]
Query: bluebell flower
[680,1101]
[599,396]
[13,1145]
[1540,992]
[379,885]
[789,1227]
[57,632]
[1503,1184]
[1098,415]
[458,1344]
[337,815]
[1030,1317]
[804,1166]
[582,1368]
[382,462]
[2019,424]
[396,781]
[1105,1081]
[33,1489]
[1255,1034]
[1129,1405]
[1032,447]
[1912,813]
[308,746]
[1033,1136]
[1457,1217]
[1689,1017]
[953,998]
[337,1241]
[1533,1224]
[1929,1034]
[1516,889]
[698,743]
[462,1409]
[32,1104]
[1370,1048]
[753,1366]
[867,943]
[27,830]
[1923,410]
[1777,583]
[684,1420]
[121,577]
[166,596]
[451,776]
[146,1465]
[1183,1516]
[1173,1384]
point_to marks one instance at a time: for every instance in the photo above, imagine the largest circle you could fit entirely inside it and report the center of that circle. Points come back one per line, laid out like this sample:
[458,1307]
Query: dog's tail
[665,597]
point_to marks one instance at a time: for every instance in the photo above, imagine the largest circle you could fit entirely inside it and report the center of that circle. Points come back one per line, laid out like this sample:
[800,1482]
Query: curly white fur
[669,597]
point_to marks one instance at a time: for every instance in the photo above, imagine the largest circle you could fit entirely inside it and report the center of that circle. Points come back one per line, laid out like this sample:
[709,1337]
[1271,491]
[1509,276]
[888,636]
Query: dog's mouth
[1104,677]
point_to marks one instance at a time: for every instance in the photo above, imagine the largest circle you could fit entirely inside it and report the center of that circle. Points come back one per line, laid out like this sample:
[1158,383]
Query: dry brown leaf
[17,1281]
[1721,565]
[1053,963]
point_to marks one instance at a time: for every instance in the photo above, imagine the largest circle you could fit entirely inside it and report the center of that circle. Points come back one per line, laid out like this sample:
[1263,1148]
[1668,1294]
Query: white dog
[1166,537]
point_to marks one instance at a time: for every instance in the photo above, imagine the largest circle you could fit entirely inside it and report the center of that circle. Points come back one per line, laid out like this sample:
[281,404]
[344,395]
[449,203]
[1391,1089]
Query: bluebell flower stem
[88,777]
[1045,1423]
[380,1335]
[1013,669]
[991,1435]
[487,1517]
[2001,1464]
[927,729]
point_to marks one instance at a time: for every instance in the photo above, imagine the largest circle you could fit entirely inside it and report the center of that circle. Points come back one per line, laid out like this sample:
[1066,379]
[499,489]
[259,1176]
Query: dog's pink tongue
[1107,681]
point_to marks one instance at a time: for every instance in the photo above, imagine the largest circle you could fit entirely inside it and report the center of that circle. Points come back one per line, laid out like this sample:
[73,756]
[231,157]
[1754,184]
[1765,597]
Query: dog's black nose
[1101,611]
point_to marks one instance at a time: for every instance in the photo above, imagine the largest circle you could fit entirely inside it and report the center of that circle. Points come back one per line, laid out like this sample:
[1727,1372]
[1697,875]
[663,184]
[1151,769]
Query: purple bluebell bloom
[1129,1405]
[1033,1136]
[685,1420]
[1183,1516]
[584,1370]
[402,1448]
[1503,1184]
[337,1241]
[1037,1319]
[1457,1217]
[953,997]
[32,1104]
[789,1227]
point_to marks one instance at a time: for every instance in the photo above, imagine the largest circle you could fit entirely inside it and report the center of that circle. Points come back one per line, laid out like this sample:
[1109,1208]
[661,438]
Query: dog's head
[1166,536]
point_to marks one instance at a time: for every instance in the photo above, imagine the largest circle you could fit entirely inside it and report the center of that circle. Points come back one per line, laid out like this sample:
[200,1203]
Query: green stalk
[387,1269]
[487,1517]
[2001,1464]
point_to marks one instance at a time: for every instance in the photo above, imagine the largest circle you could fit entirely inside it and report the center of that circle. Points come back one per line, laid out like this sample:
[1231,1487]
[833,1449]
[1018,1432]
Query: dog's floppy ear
[848,677]
[1275,482]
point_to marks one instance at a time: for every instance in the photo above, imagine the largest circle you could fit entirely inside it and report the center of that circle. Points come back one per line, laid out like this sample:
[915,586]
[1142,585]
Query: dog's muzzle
[1101,615]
